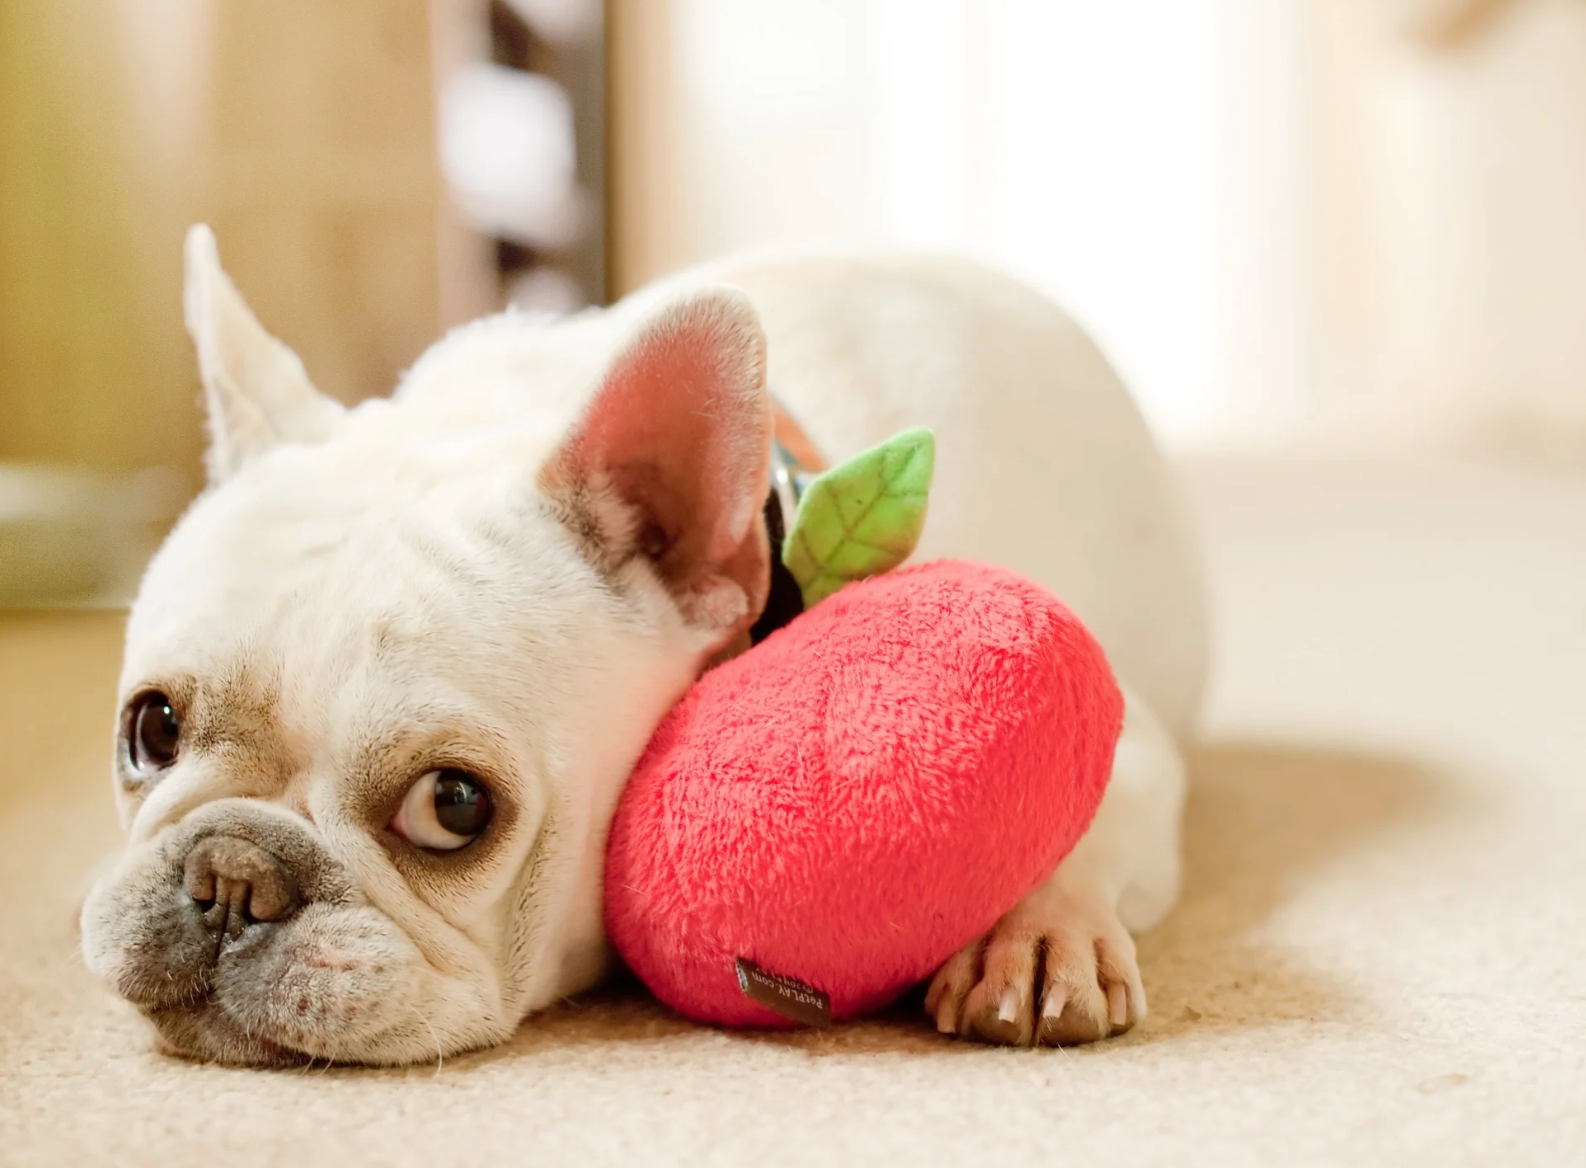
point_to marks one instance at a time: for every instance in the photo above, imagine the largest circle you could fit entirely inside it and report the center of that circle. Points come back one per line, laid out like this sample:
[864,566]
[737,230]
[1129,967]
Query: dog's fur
[516,564]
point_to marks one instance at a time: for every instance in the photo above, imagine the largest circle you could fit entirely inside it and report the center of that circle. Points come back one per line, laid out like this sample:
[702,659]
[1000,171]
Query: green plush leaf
[862,517]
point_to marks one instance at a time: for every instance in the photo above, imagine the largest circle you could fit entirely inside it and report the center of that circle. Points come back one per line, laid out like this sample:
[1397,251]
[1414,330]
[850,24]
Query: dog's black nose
[236,883]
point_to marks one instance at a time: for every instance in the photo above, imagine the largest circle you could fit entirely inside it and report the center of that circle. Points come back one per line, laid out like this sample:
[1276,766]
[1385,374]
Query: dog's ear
[255,388]
[670,459]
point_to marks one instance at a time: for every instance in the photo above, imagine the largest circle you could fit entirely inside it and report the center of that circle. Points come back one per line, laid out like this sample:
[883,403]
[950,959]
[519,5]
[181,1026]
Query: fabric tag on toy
[862,517]
[787,996]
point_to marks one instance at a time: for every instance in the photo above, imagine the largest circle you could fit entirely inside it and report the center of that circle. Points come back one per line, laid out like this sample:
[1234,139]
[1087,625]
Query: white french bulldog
[385,680]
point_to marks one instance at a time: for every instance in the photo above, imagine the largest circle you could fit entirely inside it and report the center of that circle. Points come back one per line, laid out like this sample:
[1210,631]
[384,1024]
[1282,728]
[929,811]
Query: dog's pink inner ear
[670,459]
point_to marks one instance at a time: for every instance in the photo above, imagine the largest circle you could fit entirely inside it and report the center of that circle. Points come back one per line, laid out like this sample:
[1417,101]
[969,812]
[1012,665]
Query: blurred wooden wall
[303,130]
[647,204]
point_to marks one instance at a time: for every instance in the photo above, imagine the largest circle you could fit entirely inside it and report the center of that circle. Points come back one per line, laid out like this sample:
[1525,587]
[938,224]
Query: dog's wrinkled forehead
[318,584]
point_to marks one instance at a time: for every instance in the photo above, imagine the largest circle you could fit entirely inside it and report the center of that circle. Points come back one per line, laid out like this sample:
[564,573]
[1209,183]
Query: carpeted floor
[1380,958]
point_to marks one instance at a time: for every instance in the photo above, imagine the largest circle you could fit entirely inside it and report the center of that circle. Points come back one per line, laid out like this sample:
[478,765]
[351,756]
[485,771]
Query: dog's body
[500,580]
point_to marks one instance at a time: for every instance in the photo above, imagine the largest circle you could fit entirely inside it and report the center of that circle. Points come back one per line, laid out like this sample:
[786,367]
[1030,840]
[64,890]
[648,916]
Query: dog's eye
[444,810]
[153,733]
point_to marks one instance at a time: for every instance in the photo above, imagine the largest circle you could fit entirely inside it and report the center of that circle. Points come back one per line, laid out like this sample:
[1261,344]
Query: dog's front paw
[1058,970]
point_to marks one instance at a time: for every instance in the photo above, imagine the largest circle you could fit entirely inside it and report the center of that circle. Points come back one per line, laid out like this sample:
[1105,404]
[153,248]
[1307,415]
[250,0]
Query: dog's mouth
[205,1034]
[326,987]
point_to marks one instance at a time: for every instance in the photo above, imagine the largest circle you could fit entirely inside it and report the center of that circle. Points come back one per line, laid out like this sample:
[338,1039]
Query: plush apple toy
[824,820]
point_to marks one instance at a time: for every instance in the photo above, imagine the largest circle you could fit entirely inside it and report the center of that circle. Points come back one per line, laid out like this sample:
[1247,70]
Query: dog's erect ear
[670,459]
[255,388]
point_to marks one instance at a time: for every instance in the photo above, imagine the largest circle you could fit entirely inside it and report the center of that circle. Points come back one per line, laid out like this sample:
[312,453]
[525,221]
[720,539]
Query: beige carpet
[1380,959]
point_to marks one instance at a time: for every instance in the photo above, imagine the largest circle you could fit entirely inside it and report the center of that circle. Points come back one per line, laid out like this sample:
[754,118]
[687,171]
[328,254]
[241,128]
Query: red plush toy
[822,821]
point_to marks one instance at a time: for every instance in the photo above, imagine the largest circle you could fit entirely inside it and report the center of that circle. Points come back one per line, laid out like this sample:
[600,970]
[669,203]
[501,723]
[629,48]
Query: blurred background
[1300,228]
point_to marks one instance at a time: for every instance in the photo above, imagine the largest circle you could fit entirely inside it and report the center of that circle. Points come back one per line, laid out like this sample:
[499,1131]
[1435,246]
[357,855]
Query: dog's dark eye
[444,810]
[154,733]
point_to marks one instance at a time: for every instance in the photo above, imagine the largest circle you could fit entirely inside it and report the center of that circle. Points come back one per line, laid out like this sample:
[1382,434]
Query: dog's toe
[1002,1006]
[944,1001]
[1091,986]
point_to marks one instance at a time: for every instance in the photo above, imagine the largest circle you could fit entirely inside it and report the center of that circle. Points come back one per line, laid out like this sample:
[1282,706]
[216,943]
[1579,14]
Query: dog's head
[385,680]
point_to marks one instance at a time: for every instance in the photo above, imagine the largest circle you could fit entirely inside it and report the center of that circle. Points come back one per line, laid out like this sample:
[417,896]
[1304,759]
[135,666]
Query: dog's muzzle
[201,928]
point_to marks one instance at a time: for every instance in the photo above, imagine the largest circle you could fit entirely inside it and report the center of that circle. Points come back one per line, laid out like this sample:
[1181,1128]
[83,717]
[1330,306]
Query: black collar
[789,477]
[785,600]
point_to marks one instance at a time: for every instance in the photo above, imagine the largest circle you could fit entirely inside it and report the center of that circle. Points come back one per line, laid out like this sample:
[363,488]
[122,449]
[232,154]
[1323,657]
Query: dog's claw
[1117,1005]
[1008,1011]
